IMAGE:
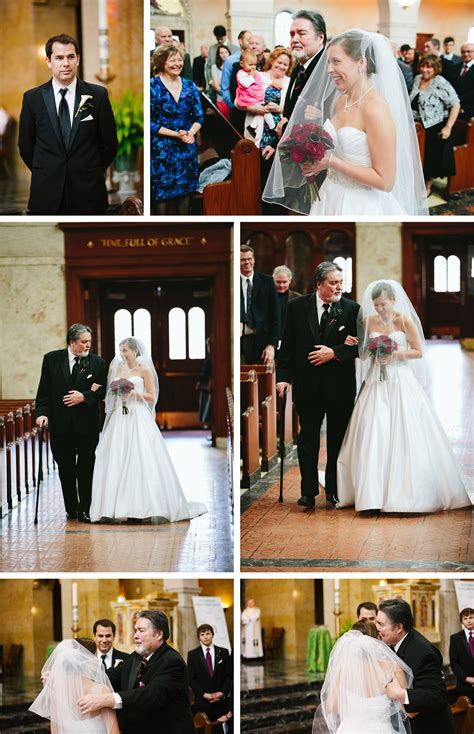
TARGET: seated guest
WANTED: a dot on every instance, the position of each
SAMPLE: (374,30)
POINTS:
(210,676)
(435,103)
(464,81)
(449,55)
(461,655)
(175,116)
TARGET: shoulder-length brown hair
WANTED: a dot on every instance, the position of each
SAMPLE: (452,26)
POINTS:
(161,54)
(275,54)
(432,61)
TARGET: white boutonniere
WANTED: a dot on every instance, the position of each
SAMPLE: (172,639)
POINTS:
(117,663)
(84,103)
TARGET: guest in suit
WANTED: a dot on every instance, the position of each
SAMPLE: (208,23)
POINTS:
(464,81)
(426,703)
(432,48)
(259,312)
(449,55)
(461,655)
(104,636)
(314,358)
(220,34)
(210,675)
(199,62)
(282,277)
(67,137)
(72,383)
(151,685)
(367,610)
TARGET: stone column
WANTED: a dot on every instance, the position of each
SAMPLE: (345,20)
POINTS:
(399,19)
(378,253)
(185,589)
(246,15)
(449,615)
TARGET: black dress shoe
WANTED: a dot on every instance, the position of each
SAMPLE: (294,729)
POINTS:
(306,501)
(71,515)
(331,498)
(84,517)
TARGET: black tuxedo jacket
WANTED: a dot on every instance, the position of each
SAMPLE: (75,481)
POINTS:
(429,695)
(300,335)
(162,705)
(265,310)
(462,663)
(55,382)
(291,99)
(465,88)
(118,655)
(199,679)
(76,172)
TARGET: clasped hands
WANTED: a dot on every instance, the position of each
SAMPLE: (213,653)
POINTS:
(186,136)
(213,697)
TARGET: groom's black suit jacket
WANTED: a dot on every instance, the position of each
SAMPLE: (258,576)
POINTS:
(55,382)
(161,705)
(462,664)
(74,174)
(300,334)
(429,695)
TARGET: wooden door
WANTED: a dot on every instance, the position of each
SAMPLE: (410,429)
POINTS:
(446,272)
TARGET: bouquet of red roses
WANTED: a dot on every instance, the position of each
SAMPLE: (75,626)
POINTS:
(307,143)
(381,346)
(122,387)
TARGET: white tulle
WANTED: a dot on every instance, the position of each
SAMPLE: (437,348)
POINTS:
(134,476)
(395,455)
(342,195)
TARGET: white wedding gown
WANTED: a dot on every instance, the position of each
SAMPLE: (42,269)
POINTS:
(368,716)
(342,195)
(395,455)
(133,475)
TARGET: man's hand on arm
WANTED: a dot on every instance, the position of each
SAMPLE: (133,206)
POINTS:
(74,397)
(321,354)
(96,701)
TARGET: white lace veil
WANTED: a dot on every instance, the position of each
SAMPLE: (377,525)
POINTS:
(69,673)
(353,693)
(286,183)
(121,370)
(400,316)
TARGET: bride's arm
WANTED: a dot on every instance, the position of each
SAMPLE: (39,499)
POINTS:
(149,394)
(415,350)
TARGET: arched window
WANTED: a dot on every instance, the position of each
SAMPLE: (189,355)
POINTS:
(177,333)
(196,333)
(122,326)
(440,274)
(454,274)
(282,28)
(142,327)
(447,274)
(345,263)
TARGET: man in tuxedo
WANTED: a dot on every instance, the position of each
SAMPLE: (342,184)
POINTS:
(315,359)
(259,312)
(426,703)
(461,655)
(104,636)
(67,137)
(367,610)
(72,383)
(210,675)
(151,685)
(282,277)
(464,81)
(449,55)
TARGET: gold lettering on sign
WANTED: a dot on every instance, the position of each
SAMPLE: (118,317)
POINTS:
(149,242)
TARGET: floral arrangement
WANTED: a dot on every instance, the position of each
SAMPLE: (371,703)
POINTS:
(85,103)
(307,143)
(381,346)
(120,388)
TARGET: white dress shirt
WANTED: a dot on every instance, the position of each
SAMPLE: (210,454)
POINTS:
(72,359)
(244,278)
(118,698)
(320,307)
(395,649)
(70,97)
(108,657)
(213,654)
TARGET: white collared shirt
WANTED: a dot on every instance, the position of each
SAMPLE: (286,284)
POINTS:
(118,698)
(70,97)
(395,649)
(108,657)
(244,279)
(72,359)
(468,64)
(320,307)
(212,650)
(467,633)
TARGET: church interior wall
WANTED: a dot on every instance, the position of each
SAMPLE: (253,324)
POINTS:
(378,252)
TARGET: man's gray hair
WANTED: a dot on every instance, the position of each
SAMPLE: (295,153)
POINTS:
(282,270)
(321,272)
(75,331)
(317,20)
(158,619)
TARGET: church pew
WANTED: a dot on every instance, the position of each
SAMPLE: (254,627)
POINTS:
(3,468)
(12,497)
(249,428)
(290,420)
(463,715)
(463,139)
(230,441)
(204,726)
(242,194)
(267,412)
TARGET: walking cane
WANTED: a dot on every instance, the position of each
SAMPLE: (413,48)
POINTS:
(282,442)
(40,473)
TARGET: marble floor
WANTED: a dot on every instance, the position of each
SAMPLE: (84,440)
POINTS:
(200,545)
(280,537)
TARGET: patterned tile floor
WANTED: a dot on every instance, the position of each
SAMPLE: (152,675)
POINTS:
(57,545)
(279,537)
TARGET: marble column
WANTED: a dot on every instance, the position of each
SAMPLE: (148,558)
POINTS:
(448,615)
(256,17)
(378,253)
(185,589)
(399,19)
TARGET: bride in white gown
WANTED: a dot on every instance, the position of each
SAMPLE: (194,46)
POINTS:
(358,94)
(134,476)
(353,696)
(395,456)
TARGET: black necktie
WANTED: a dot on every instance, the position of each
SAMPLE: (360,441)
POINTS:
(140,673)
(103,661)
(324,318)
(249,313)
(75,368)
(64,117)
(300,81)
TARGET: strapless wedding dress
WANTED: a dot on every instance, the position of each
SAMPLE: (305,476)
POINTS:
(368,716)
(342,195)
(133,474)
(395,455)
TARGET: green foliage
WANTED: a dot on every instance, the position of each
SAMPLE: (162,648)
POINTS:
(344,628)
(128,113)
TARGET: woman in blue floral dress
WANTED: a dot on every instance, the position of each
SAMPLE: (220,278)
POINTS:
(176,116)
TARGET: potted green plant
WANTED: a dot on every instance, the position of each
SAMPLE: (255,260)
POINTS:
(128,113)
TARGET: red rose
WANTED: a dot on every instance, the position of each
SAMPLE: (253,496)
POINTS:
(316,151)
(298,154)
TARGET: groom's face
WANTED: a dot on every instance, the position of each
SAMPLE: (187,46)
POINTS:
(330,289)
(104,639)
(63,63)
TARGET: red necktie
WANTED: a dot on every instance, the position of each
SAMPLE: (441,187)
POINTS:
(209,662)
(464,71)
(471,643)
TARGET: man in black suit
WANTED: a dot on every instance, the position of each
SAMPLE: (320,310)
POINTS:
(461,655)
(432,48)
(315,359)
(426,703)
(449,55)
(199,62)
(259,312)
(464,81)
(282,277)
(104,635)
(72,383)
(67,137)
(151,685)
(210,675)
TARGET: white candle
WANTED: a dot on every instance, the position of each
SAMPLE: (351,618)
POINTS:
(75,615)
(337,594)
(103,38)
(102,14)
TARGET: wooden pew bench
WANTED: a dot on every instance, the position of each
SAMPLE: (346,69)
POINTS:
(267,412)
(463,140)
(249,428)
